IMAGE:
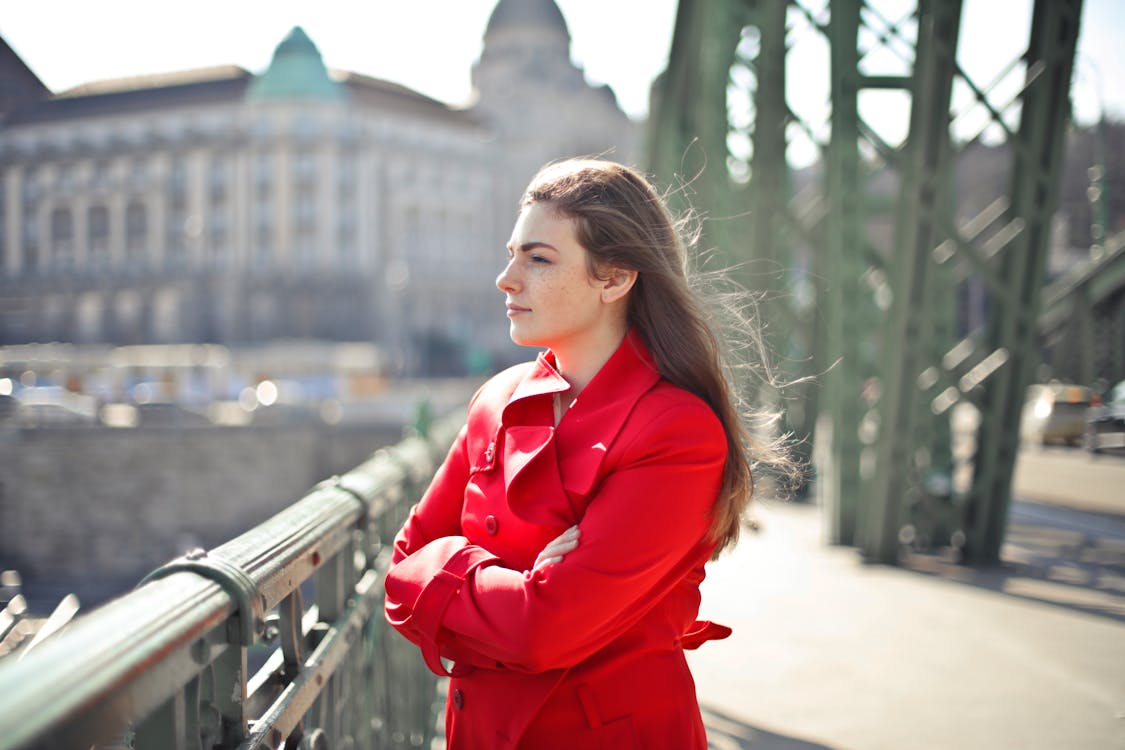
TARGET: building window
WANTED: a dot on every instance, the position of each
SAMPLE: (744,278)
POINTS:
(346,236)
(136,234)
(305,127)
(3,227)
(97,227)
(218,181)
(346,175)
(166,315)
(304,167)
(263,128)
(263,176)
(218,191)
(177,177)
(103,175)
(263,245)
(347,210)
(263,211)
(138,176)
(31,259)
(176,246)
(62,238)
(176,242)
(217,234)
(32,188)
(304,212)
(305,251)
(68,179)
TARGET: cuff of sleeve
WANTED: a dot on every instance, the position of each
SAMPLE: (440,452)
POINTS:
(434,598)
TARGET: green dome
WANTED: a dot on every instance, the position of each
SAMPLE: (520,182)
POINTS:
(296,72)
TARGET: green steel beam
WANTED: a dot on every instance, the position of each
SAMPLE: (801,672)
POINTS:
(769,172)
(1099,280)
(919,326)
(1080,324)
(686,144)
(870,492)
(773,267)
(1037,166)
(847,310)
(749,226)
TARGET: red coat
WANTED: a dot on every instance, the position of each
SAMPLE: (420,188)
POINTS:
(588,652)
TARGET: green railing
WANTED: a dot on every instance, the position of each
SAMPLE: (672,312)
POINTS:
(166,666)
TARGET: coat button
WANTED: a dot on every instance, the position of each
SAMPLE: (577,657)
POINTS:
(491,525)
(458,699)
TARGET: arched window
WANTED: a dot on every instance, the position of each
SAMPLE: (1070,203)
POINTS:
(138,176)
(30,224)
(176,217)
(97,230)
(219,178)
(62,238)
(136,233)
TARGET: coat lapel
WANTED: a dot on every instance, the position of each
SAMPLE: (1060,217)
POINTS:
(544,467)
(598,416)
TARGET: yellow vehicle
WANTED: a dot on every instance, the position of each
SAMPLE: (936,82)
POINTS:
(1055,413)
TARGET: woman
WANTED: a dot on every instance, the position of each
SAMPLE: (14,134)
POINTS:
(554,563)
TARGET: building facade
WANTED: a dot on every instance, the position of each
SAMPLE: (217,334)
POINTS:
(219,205)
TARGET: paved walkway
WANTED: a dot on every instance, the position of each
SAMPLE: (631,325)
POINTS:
(829,652)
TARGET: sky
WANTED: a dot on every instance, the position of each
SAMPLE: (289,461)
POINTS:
(430,45)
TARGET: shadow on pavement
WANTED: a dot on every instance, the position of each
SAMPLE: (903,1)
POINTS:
(1050,555)
(727,733)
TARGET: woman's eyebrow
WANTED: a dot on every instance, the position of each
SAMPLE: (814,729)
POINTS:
(534,244)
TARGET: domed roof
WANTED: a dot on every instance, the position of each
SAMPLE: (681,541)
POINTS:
(296,71)
(509,13)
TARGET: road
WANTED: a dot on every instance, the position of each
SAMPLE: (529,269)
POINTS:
(831,653)
(1071,478)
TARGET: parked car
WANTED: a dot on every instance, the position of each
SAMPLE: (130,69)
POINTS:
(1105,421)
(1055,413)
(54,406)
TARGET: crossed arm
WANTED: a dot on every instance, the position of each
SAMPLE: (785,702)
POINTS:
(641,534)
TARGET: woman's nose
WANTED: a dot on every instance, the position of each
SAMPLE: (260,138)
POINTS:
(506,281)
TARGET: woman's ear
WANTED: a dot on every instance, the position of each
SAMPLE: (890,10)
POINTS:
(617,284)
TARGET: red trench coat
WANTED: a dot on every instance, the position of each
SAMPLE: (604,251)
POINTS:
(587,653)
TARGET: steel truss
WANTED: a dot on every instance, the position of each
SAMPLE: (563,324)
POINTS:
(886,242)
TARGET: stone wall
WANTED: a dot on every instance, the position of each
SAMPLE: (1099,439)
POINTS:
(92,510)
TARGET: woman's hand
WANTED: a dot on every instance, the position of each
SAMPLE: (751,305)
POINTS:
(557,548)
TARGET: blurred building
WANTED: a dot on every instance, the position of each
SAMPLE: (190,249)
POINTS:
(219,205)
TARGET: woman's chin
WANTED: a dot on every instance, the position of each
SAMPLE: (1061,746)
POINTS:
(522,338)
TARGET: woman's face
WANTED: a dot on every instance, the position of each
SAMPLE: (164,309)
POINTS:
(551,298)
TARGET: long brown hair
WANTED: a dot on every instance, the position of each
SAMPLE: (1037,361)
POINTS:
(622,222)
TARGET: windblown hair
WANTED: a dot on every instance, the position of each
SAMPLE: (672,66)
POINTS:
(623,223)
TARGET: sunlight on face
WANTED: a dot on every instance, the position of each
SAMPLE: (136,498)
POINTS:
(552,300)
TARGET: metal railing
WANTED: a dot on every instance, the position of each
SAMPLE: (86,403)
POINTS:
(166,666)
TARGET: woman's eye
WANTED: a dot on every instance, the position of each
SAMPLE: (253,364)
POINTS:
(539,259)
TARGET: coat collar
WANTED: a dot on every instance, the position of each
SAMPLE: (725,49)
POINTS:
(543,465)
(628,373)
